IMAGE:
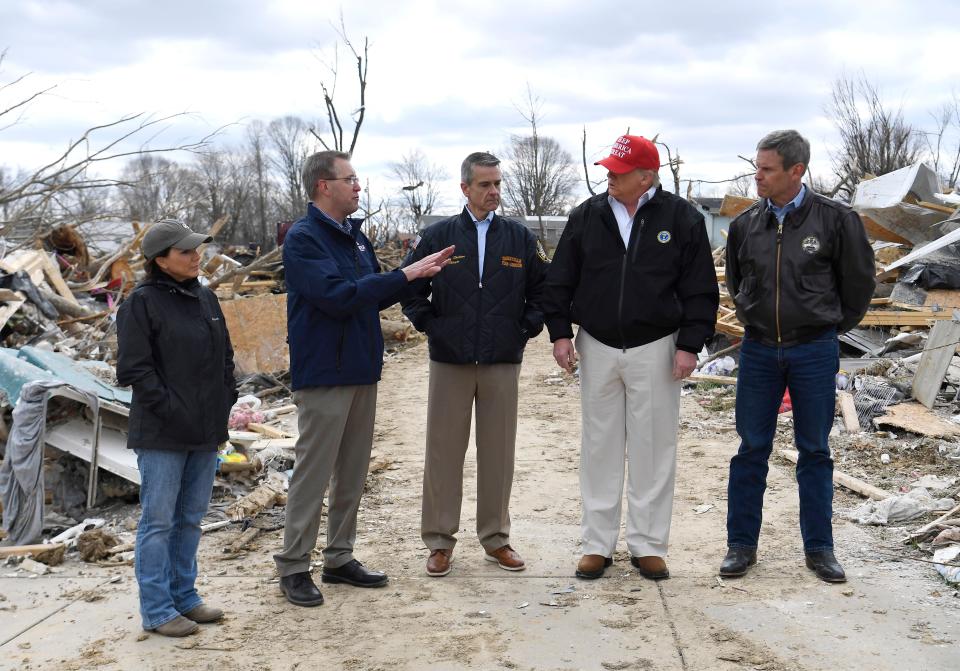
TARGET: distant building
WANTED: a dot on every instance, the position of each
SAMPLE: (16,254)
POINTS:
(710,208)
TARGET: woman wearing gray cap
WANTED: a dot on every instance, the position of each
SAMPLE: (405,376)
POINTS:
(174,350)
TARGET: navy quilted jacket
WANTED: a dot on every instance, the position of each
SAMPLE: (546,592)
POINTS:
(469,319)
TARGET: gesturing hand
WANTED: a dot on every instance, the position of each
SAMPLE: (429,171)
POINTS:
(428,266)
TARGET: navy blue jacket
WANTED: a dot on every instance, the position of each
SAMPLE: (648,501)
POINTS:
(335,291)
(469,319)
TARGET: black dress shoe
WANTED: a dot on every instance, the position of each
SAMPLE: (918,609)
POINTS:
(353,573)
(826,566)
(737,561)
(300,589)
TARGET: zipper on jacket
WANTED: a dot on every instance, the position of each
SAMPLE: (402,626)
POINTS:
(476,341)
(779,246)
(623,283)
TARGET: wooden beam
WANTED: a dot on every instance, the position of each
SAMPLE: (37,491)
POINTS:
(849,411)
(936,207)
(268,431)
(28,550)
(717,379)
(904,318)
(839,478)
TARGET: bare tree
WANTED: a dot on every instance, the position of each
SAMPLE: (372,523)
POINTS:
(335,117)
(44,196)
(154,187)
(288,139)
(874,139)
(257,161)
(742,186)
(541,177)
(673,162)
(946,124)
(419,179)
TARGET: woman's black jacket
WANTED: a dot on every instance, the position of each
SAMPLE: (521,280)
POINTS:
(174,350)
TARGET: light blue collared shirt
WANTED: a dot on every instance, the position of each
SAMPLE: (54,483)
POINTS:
(483,225)
(624,220)
(781,212)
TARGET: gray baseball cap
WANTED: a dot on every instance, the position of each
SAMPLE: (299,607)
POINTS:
(170,233)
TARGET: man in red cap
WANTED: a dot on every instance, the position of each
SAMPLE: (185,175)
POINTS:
(633,268)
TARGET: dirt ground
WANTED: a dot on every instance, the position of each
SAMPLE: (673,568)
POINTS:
(894,613)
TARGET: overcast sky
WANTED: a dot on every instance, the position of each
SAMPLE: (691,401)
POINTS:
(447,77)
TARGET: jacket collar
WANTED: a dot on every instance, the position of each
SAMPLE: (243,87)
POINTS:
(467,221)
(321,217)
(164,282)
(794,218)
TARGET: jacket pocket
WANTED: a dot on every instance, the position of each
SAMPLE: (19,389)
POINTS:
(445,336)
(819,299)
(508,340)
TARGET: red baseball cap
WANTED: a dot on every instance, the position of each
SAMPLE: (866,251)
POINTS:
(630,152)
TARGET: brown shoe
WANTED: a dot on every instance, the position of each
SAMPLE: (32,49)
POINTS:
(439,562)
(651,568)
(591,567)
(203,614)
(506,558)
(177,627)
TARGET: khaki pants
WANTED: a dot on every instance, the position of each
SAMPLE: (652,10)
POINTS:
(336,434)
(453,391)
(631,409)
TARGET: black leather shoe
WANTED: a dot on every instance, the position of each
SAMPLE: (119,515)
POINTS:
(300,589)
(826,566)
(737,561)
(353,573)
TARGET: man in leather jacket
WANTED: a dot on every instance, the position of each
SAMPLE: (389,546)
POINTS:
(801,271)
(478,316)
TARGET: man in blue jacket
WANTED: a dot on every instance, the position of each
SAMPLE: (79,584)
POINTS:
(335,290)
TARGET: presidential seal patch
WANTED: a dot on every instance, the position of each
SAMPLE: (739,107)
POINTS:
(811,244)
(542,253)
(663,236)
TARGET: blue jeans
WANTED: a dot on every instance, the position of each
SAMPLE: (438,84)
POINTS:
(809,371)
(175,490)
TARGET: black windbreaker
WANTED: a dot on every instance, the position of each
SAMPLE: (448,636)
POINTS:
(625,296)
(174,350)
(469,319)
(791,284)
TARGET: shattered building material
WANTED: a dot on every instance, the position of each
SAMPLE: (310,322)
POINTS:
(917,419)
(258,333)
(885,201)
(937,355)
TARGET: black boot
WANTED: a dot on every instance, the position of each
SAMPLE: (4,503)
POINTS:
(737,561)
(300,589)
(826,566)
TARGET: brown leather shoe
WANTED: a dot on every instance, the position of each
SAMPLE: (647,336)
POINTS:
(177,627)
(506,558)
(651,568)
(204,614)
(438,563)
(591,567)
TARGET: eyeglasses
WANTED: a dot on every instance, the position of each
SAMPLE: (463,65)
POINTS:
(352,180)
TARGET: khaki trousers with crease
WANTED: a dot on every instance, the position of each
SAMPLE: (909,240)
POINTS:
(454,390)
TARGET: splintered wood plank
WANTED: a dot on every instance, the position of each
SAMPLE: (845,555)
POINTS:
(258,332)
(937,355)
(903,318)
(849,412)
